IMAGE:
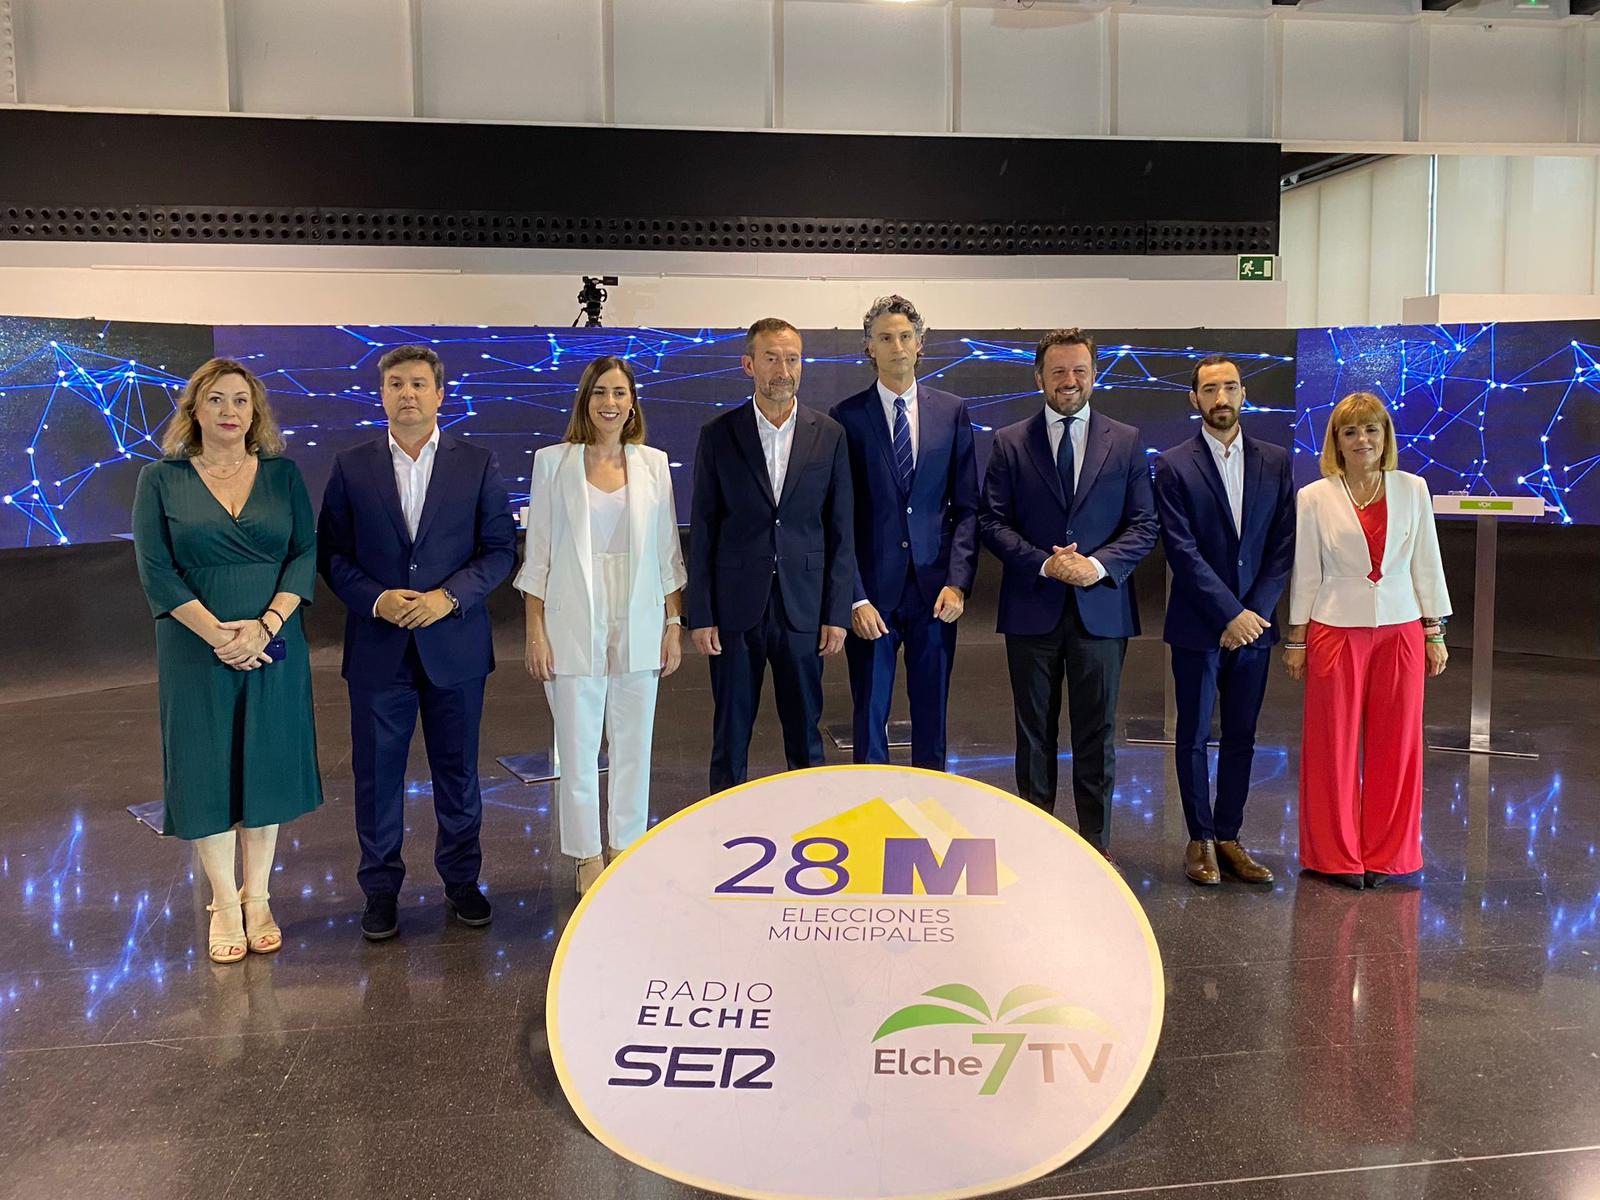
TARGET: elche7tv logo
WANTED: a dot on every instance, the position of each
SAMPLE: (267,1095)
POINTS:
(1078,1055)
(879,848)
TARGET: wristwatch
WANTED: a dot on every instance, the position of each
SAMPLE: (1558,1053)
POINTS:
(455,605)
(674,620)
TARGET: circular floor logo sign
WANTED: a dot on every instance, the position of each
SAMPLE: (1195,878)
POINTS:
(855,982)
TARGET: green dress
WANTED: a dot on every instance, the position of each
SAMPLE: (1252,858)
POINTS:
(239,746)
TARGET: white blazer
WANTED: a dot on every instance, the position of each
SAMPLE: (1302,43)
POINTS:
(558,563)
(1332,562)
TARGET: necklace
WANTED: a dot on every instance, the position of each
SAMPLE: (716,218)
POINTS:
(219,473)
(1377,491)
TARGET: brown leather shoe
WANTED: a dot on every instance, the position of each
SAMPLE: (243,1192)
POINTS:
(1236,861)
(1200,863)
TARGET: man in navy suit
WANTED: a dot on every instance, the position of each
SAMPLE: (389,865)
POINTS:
(771,556)
(1067,510)
(916,506)
(415,533)
(1227,520)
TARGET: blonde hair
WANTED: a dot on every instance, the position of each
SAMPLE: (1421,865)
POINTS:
(580,428)
(182,439)
(1358,408)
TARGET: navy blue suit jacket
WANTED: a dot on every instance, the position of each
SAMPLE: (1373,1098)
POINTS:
(935,526)
(466,542)
(740,531)
(1025,513)
(1216,572)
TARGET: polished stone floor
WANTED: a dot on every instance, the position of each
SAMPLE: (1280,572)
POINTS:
(1436,1040)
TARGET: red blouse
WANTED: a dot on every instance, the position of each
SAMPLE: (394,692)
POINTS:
(1374,520)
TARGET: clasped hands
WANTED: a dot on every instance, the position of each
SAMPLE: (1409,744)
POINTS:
(243,645)
(1070,567)
(1243,630)
(413,610)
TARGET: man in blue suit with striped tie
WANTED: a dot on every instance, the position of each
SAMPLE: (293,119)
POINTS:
(916,519)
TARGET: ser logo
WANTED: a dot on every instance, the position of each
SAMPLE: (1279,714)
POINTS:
(879,848)
(1083,1052)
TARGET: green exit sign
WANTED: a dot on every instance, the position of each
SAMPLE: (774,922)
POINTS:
(1256,266)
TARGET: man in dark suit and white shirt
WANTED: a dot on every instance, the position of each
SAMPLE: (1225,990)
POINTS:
(415,532)
(1227,509)
(771,555)
(1067,510)
(916,509)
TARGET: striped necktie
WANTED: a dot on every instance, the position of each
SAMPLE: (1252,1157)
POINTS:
(903,460)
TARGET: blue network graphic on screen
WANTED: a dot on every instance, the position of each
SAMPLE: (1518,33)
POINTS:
(84,403)
(81,409)
(1489,409)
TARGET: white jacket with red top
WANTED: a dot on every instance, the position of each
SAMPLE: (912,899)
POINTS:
(1330,581)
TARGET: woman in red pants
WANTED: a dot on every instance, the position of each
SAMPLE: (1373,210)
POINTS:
(1366,609)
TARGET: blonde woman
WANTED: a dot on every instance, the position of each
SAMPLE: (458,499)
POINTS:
(1367,603)
(226,546)
(602,582)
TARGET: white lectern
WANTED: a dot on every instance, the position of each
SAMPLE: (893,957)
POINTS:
(1478,738)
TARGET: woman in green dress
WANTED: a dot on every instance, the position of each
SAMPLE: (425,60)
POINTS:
(226,543)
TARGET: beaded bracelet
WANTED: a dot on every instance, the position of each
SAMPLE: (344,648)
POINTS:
(1294,645)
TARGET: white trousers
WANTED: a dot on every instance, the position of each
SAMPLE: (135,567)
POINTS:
(624,707)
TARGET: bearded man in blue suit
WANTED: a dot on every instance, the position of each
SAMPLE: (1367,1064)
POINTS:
(1228,523)
(1067,510)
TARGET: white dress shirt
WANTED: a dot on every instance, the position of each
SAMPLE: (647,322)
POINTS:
(1054,423)
(888,397)
(1230,465)
(411,476)
(776,443)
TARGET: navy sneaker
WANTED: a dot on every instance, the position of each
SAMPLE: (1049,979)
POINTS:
(382,918)
(469,905)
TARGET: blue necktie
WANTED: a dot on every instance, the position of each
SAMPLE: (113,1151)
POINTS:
(1064,462)
(902,445)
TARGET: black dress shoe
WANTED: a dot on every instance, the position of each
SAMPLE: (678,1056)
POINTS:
(1374,879)
(382,919)
(1356,882)
(468,904)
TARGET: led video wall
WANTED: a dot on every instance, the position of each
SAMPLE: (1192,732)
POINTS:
(1502,409)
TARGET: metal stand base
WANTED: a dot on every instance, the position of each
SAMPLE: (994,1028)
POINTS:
(540,766)
(1502,743)
(152,815)
(1147,731)
(844,736)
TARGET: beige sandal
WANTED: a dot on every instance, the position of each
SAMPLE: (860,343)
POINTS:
(269,938)
(589,870)
(221,949)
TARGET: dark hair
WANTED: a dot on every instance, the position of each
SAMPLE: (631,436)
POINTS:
(580,428)
(893,306)
(1211,360)
(405,354)
(1062,337)
(767,325)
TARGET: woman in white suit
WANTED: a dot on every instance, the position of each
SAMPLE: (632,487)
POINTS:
(602,583)
(1367,603)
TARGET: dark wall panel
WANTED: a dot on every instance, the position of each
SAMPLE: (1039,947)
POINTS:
(130,177)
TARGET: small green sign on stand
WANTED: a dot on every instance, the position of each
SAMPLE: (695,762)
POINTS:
(1256,266)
